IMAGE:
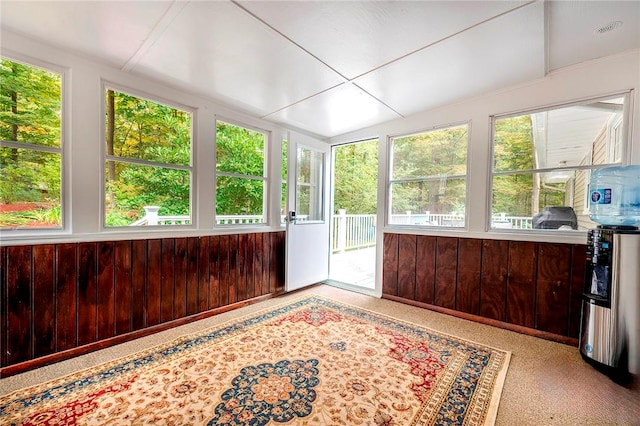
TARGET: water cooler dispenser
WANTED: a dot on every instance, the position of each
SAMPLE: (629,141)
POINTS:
(610,323)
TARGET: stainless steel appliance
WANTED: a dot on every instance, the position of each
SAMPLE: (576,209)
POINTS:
(610,329)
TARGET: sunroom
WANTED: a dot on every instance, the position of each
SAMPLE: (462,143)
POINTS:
(168,161)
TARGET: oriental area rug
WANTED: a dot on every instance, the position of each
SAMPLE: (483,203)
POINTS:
(313,361)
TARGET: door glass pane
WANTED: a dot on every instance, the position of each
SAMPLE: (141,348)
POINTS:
(309,181)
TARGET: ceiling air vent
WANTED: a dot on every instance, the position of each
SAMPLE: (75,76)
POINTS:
(608,27)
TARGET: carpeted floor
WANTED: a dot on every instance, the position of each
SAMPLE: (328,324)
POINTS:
(546,384)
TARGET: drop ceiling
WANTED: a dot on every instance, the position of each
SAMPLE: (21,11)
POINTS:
(330,67)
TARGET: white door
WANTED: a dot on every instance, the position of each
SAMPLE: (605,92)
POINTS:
(307,243)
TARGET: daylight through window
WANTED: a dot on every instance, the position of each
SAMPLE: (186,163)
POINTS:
(148,162)
(428,184)
(30,147)
(542,162)
(240,175)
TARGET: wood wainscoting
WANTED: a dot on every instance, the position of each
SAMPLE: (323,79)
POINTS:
(62,300)
(534,288)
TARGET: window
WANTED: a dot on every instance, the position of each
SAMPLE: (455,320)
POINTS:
(283,194)
(240,175)
(428,178)
(542,161)
(614,145)
(30,147)
(310,185)
(148,162)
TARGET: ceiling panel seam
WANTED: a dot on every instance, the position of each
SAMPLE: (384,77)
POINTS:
(379,100)
(413,52)
(304,99)
(156,32)
(290,40)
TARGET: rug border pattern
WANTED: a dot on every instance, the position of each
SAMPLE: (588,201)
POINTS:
(497,360)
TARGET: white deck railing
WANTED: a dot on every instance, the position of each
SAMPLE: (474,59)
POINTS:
(350,231)
(151,218)
(353,231)
(500,220)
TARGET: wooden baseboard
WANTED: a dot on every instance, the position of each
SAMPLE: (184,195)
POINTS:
(495,323)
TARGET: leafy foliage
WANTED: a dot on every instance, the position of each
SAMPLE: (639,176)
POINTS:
(146,130)
(239,151)
(513,151)
(434,159)
(30,113)
(356,177)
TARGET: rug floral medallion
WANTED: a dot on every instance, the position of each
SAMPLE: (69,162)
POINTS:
(313,361)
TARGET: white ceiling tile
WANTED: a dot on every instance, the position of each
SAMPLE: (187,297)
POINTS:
(356,36)
(505,51)
(217,49)
(110,31)
(336,111)
(572,30)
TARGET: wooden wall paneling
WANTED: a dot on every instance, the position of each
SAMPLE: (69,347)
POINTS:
(192,301)
(406,266)
(390,264)
(276,262)
(578,266)
(3,305)
(250,266)
(154,280)
(469,273)
(521,284)
(552,293)
(258,271)
(446,272)
(106,295)
(66,297)
(139,284)
(267,282)
(214,272)
(279,260)
(268,262)
(180,279)
(425,269)
(202,273)
(232,291)
(87,293)
(493,282)
(273,278)
(18,339)
(123,286)
(44,342)
(241,268)
(223,261)
(167,279)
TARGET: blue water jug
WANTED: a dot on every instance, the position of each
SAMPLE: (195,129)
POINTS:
(614,196)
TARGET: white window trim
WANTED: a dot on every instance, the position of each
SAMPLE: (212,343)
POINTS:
(63,150)
(615,136)
(389,180)
(625,119)
(587,179)
(266,219)
(106,85)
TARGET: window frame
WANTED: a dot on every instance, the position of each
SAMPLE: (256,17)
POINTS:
(268,135)
(390,180)
(63,150)
(104,157)
(627,111)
